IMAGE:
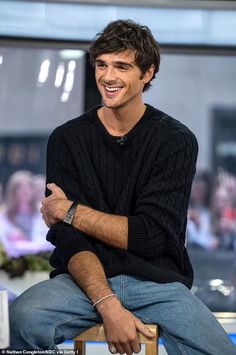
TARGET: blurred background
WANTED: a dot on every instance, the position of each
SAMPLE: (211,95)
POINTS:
(46,79)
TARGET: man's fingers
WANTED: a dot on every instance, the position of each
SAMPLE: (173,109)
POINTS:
(116,348)
(112,348)
(51,186)
(56,190)
(144,329)
(123,348)
(135,345)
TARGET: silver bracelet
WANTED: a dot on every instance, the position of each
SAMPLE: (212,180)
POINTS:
(103,298)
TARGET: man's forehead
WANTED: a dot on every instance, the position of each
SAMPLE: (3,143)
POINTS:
(121,56)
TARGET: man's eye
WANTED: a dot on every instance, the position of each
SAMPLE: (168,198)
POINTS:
(100,65)
(122,67)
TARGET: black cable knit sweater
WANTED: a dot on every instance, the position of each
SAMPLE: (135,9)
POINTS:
(145,175)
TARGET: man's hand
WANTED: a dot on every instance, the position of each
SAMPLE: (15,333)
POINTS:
(55,206)
(121,327)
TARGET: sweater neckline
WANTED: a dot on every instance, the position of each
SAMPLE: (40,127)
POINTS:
(129,134)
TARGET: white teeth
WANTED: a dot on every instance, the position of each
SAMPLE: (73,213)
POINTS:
(112,89)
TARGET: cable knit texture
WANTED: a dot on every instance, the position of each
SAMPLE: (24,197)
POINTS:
(146,177)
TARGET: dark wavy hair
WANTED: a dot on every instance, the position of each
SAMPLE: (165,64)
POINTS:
(122,35)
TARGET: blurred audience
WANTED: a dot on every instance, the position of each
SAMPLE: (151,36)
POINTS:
(212,212)
(1,193)
(224,210)
(199,231)
(22,230)
(39,189)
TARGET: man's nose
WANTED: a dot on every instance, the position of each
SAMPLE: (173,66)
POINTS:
(110,74)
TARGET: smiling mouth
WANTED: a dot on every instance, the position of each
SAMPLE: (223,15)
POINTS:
(112,90)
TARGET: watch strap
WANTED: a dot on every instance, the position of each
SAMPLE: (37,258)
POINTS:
(70,213)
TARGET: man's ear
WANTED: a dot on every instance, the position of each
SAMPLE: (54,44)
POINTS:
(149,74)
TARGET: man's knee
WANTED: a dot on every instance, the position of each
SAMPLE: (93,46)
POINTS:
(22,316)
(27,328)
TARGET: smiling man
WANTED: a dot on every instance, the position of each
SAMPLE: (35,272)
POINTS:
(121,84)
(118,184)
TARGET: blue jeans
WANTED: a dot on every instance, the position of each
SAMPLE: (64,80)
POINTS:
(57,309)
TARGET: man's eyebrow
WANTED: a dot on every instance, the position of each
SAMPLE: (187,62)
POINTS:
(119,62)
(99,61)
(126,64)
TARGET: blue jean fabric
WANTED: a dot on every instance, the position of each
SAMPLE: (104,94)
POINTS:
(57,309)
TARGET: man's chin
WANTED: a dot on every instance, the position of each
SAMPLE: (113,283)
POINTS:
(112,105)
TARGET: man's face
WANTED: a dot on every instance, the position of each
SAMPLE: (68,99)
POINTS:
(119,79)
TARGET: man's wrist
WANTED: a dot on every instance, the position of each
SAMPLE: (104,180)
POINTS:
(104,298)
(70,214)
(107,305)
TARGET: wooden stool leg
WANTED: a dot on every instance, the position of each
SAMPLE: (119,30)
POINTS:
(151,349)
(80,346)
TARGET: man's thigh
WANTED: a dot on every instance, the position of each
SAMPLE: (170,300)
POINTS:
(182,317)
(170,305)
(55,310)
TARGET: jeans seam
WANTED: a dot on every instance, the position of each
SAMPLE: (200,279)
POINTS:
(56,325)
(66,322)
(179,345)
(142,317)
(182,349)
(122,293)
(71,318)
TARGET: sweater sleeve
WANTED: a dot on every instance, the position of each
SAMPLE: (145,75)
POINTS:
(60,170)
(161,208)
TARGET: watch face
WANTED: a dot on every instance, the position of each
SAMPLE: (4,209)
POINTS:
(68,218)
(70,213)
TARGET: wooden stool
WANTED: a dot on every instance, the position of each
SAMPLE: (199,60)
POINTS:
(96,334)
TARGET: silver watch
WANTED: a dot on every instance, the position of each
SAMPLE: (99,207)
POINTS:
(70,213)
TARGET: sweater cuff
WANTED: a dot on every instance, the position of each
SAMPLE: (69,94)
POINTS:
(68,241)
(136,235)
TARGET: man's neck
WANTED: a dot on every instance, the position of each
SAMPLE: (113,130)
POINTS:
(120,121)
